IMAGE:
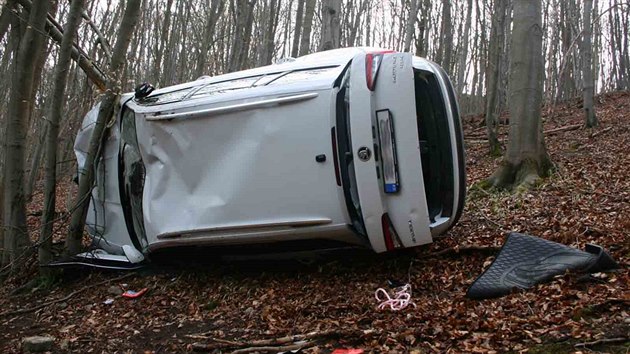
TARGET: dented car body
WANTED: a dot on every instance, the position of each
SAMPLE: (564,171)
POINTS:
(355,146)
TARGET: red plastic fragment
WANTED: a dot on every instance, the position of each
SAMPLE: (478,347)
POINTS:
(130,294)
(347,351)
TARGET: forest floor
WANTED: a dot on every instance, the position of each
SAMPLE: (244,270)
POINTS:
(230,305)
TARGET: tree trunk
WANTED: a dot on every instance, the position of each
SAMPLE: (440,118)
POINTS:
(445,53)
(159,50)
(107,109)
(5,17)
(309,12)
(526,160)
(461,68)
(16,238)
(216,8)
(411,25)
(587,54)
(54,117)
(295,48)
(331,29)
(493,70)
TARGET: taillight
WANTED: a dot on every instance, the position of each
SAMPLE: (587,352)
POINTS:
(372,64)
(392,241)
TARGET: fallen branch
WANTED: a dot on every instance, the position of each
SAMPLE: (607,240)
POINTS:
(275,344)
(278,349)
(563,129)
(602,341)
(599,132)
(88,66)
(66,298)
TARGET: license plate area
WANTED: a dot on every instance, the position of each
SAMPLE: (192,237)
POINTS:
(387,146)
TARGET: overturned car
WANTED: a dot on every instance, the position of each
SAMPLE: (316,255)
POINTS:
(355,146)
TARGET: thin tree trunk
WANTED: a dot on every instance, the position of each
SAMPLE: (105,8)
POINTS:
(493,70)
(411,25)
(587,54)
(309,12)
(107,109)
(5,17)
(461,69)
(215,11)
(331,29)
(54,117)
(295,48)
(159,52)
(16,237)
(83,59)
(526,159)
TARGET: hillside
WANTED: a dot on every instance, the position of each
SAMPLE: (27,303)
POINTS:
(586,200)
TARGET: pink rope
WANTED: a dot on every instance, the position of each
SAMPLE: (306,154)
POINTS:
(400,299)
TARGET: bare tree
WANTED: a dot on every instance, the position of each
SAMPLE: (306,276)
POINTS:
(54,117)
(526,159)
(411,24)
(24,72)
(309,12)
(110,99)
(587,69)
(331,28)
(299,15)
(493,73)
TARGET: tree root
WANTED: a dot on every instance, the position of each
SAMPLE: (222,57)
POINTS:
(519,177)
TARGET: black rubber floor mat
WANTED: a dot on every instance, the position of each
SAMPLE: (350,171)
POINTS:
(525,261)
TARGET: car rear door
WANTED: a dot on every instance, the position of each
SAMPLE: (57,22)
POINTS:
(399,211)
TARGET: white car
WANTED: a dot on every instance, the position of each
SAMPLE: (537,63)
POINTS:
(355,146)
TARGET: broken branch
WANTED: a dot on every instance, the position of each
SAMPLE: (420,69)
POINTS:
(602,341)
(563,129)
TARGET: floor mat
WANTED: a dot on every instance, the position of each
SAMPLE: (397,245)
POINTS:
(525,261)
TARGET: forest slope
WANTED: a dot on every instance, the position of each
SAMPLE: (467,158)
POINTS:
(586,200)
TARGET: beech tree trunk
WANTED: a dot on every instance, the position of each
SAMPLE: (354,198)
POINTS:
(463,56)
(493,73)
(309,12)
(295,48)
(5,17)
(526,159)
(107,109)
(16,238)
(331,30)
(587,69)
(411,25)
(54,117)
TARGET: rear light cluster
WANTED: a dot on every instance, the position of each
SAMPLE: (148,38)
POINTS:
(372,64)
(392,241)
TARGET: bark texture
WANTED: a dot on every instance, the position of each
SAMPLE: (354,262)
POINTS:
(54,117)
(16,237)
(587,69)
(526,159)
(493,73)
(331,29)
